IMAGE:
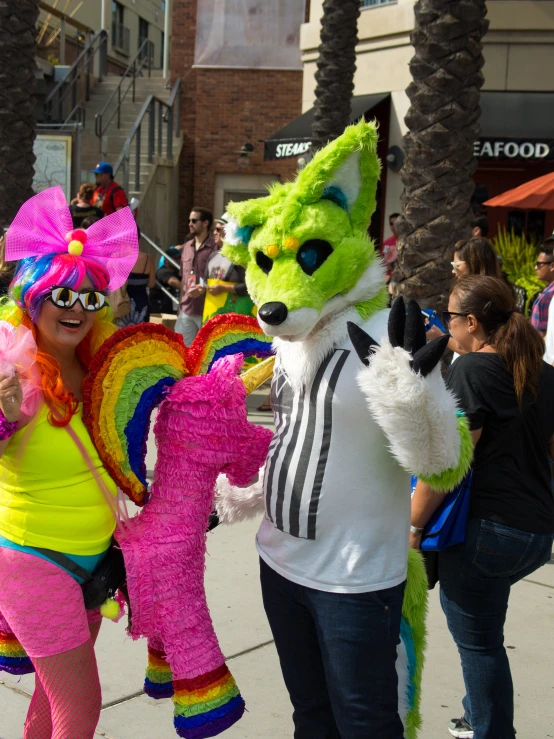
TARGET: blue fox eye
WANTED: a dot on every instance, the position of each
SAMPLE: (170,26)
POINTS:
(312,254)
(264,262)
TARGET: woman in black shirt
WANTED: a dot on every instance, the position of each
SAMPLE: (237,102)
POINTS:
(507,393)
(82,207)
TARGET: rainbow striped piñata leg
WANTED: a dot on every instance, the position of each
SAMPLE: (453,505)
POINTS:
(207,705)
(13,658)
(159,680)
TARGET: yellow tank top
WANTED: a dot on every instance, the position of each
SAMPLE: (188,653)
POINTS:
(48,494)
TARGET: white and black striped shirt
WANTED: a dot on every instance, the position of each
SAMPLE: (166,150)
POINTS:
(337,503)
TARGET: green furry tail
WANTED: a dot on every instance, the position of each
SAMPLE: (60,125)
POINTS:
(448,479)
(414,610)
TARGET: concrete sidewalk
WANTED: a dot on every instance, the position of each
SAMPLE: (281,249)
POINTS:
(235,602)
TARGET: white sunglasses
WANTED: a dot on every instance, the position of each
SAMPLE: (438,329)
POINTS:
(65,297)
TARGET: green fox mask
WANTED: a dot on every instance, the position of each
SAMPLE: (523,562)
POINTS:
(305,245)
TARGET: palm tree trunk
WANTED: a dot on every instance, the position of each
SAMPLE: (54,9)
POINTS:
(443,124)
(335,70)
(17,103)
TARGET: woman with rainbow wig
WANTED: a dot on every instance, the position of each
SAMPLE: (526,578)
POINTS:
(55,495)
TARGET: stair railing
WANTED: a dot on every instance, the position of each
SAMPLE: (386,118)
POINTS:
(167,258)
(69,94)
(112,108)
(154,115)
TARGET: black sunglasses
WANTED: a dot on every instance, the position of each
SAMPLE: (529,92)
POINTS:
(541,264)
(194,220)
(447,316)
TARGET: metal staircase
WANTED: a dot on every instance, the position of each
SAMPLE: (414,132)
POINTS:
(111,143)
(127,120)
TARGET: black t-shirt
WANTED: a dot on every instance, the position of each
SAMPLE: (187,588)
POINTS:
(511,469)
(80,212)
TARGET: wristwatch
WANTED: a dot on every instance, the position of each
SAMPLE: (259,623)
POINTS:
(415,530)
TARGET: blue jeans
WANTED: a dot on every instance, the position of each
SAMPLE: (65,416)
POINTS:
(476,578)
(337,654)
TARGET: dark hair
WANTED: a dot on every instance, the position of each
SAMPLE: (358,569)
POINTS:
(394,215)
(205,215)
(482,223)
(547,246)
(521,346)
(87,222)
(480,257)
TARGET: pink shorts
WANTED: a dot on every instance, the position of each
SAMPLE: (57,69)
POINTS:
(42,605)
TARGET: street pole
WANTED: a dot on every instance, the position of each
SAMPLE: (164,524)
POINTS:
(167,32)
(103,15)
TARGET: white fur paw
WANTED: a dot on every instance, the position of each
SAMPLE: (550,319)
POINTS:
(234,504)
(417,414)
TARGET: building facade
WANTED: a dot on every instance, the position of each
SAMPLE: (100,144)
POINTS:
(240,84)
(128,22)
(517,100)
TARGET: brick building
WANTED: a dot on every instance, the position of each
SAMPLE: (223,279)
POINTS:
(224,108)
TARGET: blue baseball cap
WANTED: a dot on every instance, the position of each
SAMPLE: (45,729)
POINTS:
(103,168)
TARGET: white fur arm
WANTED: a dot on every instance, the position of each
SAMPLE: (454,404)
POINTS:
(234,504)
(417,414)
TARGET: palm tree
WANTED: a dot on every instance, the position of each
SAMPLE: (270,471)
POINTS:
(17,103)
(335,69)
(443,124)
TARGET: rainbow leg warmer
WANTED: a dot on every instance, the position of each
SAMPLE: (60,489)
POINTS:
(13,658)
(159,680)
(206,705)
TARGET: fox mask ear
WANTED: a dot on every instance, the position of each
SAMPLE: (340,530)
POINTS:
(235,246)
(246,216)
(346,172)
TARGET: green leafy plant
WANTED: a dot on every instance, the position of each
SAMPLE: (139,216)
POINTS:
(519,256)
(53,59)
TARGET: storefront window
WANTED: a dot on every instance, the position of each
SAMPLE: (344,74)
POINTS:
(516,222)
(528,222)
(536,224)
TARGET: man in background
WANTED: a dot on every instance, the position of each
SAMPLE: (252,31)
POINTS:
(195,256)
(480,227)
(108,194)
(544,269)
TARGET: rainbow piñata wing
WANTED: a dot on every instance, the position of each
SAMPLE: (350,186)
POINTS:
(127,379)
(229,333)
(13,658)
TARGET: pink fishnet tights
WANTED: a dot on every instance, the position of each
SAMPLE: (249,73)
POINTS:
(67,700)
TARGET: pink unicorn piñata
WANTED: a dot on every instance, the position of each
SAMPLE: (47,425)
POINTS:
(201,430)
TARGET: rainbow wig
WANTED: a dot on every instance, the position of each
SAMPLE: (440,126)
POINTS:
(34,279)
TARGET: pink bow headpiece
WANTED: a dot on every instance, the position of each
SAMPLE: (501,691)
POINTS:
(43,226)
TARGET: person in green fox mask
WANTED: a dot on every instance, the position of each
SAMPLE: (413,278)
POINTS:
(344,597)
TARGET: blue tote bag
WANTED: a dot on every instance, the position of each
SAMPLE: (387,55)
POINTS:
(447,525)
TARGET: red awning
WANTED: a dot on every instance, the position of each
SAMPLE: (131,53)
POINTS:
(537,194)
